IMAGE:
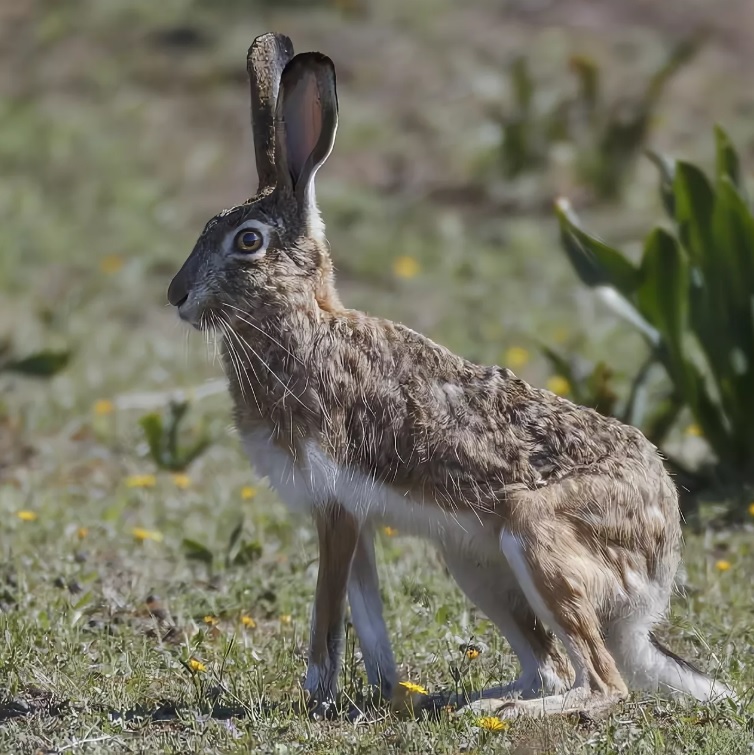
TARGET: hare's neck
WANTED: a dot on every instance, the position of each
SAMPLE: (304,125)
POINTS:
(268,364)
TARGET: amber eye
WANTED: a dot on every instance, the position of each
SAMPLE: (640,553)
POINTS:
(249,240)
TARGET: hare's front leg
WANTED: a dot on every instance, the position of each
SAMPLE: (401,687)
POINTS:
(366,614)
(338,533)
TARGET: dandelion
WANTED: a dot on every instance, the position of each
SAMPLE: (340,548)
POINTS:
(82,532)
(390,531)
(247,492)
(248,622)
(491,723)
(516,356)
(751,508)
(211,620)
(285,618)
(27,516)
(559,385)
(103,407)
(414,688)
(694,430)
(140,534)
(181,481)
(722,565)
(473,653)
(405,267)
(141,481)
(110,264)
(196,666)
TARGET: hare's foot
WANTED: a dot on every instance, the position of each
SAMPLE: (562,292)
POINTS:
(579,700)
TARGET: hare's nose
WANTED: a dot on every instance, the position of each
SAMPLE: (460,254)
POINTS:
(178,290)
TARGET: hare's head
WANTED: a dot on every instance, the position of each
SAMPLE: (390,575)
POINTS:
(270,252)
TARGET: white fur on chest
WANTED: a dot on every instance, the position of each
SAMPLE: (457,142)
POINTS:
(315,480)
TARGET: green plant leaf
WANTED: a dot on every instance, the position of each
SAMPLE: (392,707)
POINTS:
(248,553)
(152,425)
(666,168)
(662,296)
(596,263)
(43,364)
(727,163)
(233,542)
(694,202)
(195,551)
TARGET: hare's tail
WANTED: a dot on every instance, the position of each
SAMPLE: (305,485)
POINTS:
(647,665)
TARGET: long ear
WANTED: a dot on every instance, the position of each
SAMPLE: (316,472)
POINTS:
(267,58)
(306,122)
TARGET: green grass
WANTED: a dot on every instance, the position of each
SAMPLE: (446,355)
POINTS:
(114,149)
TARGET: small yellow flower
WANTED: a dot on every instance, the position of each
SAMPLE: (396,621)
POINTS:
(390,531)
(247,492)
(285,618)
(141,481)
(473,653)
(414,688)
(751,508)
(516,356)
(248,622)
(103,407)
(491,723)
(694,430)
(111,264)
(82,532)
(196,666)
(141,535)
(558,384)
(722,565)
(211,620)
(181,481)
(406,267)
(27,516)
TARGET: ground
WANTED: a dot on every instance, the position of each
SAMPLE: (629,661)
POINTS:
(124,127)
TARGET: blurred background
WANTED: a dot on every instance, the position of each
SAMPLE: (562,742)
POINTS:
(124,126)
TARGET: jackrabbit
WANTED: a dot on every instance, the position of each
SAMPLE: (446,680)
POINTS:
(557,522)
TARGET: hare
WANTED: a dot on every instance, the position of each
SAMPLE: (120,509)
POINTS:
(557,522)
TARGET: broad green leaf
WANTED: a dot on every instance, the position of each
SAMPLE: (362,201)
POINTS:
(197,552)
(596,263)
(694,201)
(662,296)
(41,364)
(248,553)
(152,425)
(666,168)
(727,162)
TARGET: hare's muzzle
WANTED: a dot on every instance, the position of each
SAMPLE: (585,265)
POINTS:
(178,290)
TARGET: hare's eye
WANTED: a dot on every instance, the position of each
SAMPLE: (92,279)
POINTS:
(249,240)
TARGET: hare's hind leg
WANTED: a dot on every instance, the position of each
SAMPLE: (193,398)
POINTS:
(494,589)
(557,589)
(338,533)
(366,614)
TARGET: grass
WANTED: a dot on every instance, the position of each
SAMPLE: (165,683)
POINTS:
(116,143)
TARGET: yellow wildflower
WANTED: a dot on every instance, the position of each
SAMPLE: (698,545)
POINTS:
(285,618)
(196,666)
(516,356)
(414,688)
(181,480)
(111,264)
(491,723)
(211,620)
(27,516)
(694,430)
(390,531)
(141,481)
(141,535)
(103,407)
(406,267)
(82,532)
(473,653)
(558,384)
(722,565)
(751,508)
(248,622)
(247,492)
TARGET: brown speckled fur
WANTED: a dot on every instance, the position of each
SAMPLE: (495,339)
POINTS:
(586,497)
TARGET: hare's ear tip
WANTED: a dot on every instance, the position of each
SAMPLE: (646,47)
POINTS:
(308,61)
(271,40)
